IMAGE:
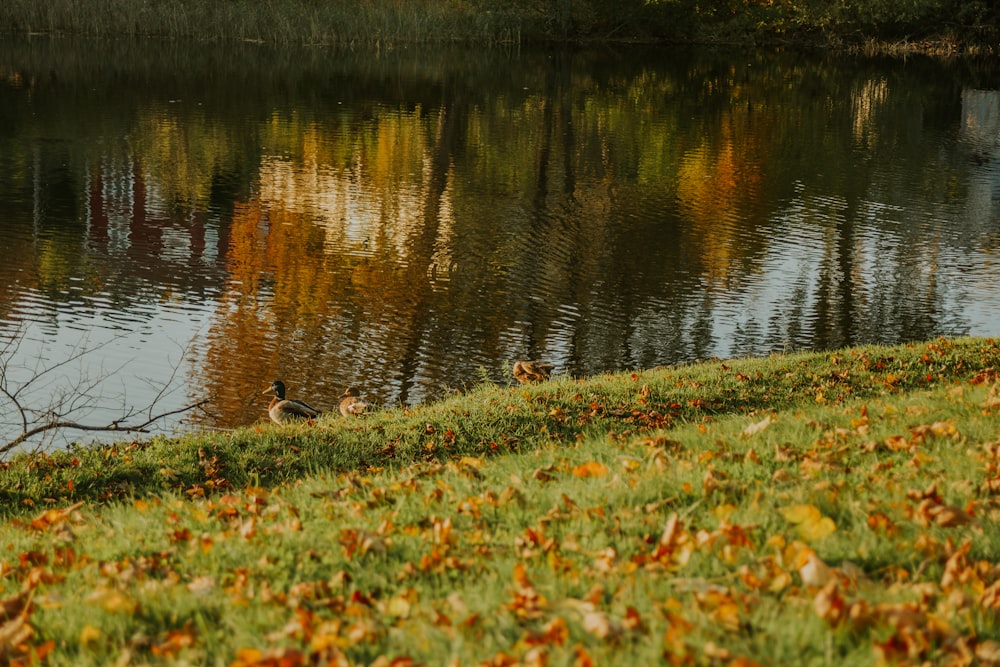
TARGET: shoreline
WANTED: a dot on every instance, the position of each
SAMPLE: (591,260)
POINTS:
(896,29)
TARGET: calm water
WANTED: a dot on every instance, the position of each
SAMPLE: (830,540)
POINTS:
(189,221)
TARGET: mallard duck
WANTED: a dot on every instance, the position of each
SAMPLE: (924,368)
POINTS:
(350,404)
(532,371)
(284,409)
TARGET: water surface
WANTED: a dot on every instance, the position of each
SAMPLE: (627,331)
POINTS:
(185,221)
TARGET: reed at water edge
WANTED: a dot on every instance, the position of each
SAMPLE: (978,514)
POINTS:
(893,27)
(377,22)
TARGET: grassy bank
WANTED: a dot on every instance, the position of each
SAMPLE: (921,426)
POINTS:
(898,25)
(818,509)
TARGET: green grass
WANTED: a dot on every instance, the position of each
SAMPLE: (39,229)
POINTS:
(664,516)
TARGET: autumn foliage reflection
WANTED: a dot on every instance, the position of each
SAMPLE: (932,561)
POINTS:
(409,225)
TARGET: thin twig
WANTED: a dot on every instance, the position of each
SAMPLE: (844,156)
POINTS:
(116,425)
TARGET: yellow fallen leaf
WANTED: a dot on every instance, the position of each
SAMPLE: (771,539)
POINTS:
(800,513)
(89,635)
(809,521)
(723,512)
(113,601)
(398,607)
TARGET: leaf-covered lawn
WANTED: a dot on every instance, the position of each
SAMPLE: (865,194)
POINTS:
(797,510)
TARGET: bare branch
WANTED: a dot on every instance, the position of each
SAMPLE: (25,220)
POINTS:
(67,406)
(79,352)
(117,426)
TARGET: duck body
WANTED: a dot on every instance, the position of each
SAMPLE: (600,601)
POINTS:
(282,410)
(351,404)
(532,371)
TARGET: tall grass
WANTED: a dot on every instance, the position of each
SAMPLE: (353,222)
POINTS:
(387,23)
(384,22)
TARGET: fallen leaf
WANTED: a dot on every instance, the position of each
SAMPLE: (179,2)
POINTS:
(815,572)
(757,427)
(600,625)
(202,585)
(590,469)
(53,517)
(988,652)
(113,601)
(15,604)
(809,521)
(89,635)
(829,604)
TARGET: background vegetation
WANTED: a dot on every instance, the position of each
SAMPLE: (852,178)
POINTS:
(838,22)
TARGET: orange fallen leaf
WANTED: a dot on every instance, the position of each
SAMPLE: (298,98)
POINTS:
(829,604)
(931,511)
(632,621)
(582,658)
(526,602)
(52,517)
(880,523)
(555,632)
(590,469)
(174,642)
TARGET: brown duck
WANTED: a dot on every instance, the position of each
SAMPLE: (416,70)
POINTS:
(350,403)
(532,371)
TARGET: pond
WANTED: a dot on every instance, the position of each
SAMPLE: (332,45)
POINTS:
(187,221)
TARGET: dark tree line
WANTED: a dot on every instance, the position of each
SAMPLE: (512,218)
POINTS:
(819,21)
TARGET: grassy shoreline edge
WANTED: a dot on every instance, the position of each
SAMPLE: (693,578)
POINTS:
(803,508)
(490,420)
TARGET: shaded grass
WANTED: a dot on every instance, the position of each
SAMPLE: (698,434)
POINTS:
(279,21)
(533,525)
(892,27)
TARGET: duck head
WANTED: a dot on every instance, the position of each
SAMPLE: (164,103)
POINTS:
(277,388)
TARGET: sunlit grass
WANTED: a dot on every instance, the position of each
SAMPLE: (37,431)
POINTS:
(816,508)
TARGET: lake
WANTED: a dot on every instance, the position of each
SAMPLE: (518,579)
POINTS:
(186,221)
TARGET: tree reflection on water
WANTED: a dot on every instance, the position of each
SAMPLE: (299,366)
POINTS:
(410,222)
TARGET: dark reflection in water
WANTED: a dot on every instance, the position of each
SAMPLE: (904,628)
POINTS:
(410,222)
